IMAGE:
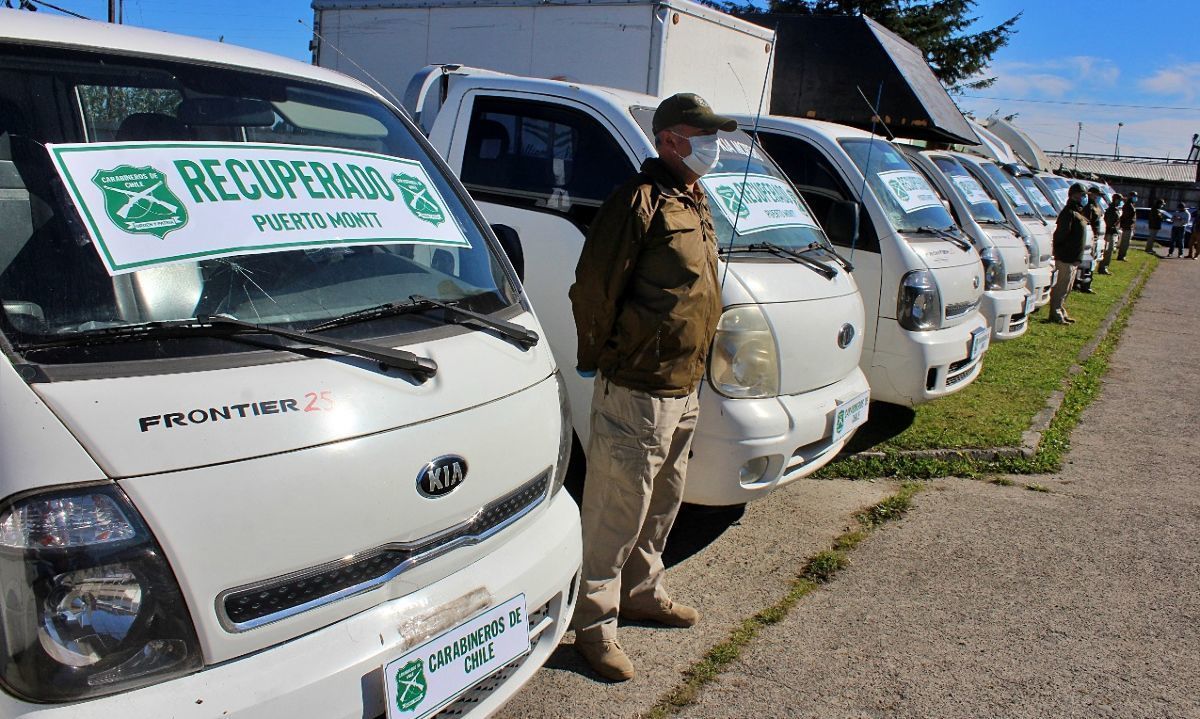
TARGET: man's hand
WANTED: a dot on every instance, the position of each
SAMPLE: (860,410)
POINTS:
(586,375)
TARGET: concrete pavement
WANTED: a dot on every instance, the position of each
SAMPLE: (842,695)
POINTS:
(992,601)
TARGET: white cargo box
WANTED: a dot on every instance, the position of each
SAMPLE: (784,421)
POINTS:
(657,47)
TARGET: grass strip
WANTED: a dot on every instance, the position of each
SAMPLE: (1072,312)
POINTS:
(1082,390)
(1018,377)
(820,569)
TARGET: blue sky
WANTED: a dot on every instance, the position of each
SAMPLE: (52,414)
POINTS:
(1143,53)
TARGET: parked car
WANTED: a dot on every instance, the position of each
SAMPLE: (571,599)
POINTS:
(1141,225)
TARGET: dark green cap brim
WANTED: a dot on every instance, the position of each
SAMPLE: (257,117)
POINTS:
(689,109)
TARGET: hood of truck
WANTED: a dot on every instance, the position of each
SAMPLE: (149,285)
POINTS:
(148,424)
(1012,251)
(958,272)
(807,313)
(239,504)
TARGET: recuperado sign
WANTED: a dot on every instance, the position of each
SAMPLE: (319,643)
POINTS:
(909,189)
(156,203)
(753,203)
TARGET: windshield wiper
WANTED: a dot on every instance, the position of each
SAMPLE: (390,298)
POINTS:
(523,336)
(946,235)
(218,326)
(831,251)
(822,269)
(1005,224)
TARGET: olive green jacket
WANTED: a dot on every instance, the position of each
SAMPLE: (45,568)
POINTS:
(1070,232)
(646,298)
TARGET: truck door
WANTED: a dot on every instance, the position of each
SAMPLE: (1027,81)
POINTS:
(823,187)
(543,167)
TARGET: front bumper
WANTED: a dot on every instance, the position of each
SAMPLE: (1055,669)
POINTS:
(1004,311)
(336,672)
(1041,279)
(794,431)
(909,368)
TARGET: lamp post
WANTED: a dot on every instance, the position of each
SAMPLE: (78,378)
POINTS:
(1117,143)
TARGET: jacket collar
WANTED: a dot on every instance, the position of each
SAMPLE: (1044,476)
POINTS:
(658,171)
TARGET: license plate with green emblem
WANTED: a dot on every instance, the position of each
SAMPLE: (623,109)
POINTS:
(849,415)
(426,679)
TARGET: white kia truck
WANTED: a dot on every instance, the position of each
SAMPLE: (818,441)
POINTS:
(784,391)
(1007,300)
(280,435)
(921,280)
(1037,235)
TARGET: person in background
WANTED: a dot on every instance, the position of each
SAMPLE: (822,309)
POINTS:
(1070,235)
(1179,220)
(1128,220)
(1155,224)
(1112,218)
(646,301)
(1095,216)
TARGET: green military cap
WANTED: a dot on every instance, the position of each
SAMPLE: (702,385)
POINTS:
(1076,187)
(687,108)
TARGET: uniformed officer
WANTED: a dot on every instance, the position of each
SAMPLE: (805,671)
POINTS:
(1070,235)
(646,302)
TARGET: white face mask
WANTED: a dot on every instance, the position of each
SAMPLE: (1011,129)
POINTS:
(705,153)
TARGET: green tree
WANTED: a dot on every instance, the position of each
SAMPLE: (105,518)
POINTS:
(936,27)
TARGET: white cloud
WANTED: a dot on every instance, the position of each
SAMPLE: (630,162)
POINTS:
(1179,80)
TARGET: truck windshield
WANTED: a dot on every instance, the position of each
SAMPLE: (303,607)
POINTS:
(909,201)
(141,190)
(752,200)
(1059,186)
(984,206)
(1019,203)
(1035,193)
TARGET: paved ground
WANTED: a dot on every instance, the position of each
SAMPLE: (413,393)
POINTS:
(993,601)
(727,565)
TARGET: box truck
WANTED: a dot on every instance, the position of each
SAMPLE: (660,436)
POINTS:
(653,47)
(250,465)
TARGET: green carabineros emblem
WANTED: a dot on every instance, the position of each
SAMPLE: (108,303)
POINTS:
(419,199)
(734,201)
(841,422)
(410,685)
(898,188)
(138,200)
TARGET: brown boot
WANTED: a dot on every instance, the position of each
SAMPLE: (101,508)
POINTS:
(670,614)
(606,658)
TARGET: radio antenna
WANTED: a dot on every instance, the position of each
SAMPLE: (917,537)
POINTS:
(875,117)
(737,209)
(379,85)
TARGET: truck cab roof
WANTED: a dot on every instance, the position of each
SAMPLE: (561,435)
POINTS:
(36,29)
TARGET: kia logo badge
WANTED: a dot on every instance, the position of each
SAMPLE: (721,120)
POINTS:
(975,279)
(442,476)
(845,335)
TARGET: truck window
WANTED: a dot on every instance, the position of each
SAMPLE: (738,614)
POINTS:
(984,207)
(541,155)
(818,181)
(906,197)
(1006,185)
(54,282)
(1039,200)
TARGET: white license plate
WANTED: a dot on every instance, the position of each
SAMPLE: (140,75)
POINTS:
(434,674)
(849,415)
(979,342)
(1030,301)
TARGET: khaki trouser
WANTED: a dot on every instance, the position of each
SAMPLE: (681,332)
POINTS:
(637,458)
(1126,236)
(1110,240)
(1058,294)
(1152,240)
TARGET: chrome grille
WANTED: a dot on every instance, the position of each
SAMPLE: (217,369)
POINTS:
(1017,278)
(274,599)
(959,309)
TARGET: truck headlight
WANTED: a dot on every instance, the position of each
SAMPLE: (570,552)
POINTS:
(993,269)
(919,304)
(745,359)
(90,606)
(1035,259)
(565,435)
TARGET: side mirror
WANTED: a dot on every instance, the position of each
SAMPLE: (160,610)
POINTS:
(841,222)
(510,241)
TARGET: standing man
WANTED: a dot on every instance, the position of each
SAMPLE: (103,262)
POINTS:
(1070,234)
(1095,218)
(1154,222)
(1112,218)
(1194,240)
(1179,220)
(646,301)
(1128,220)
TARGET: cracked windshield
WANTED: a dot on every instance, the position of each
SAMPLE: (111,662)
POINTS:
(157,195)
